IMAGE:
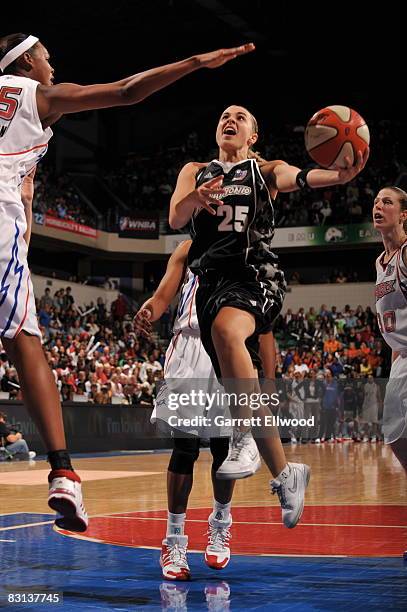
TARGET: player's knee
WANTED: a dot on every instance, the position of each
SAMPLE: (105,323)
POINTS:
(219,450)
(225,335)
(184,455)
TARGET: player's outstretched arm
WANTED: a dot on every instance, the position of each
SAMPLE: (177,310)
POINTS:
(72,98)
(154,307)
(283,177)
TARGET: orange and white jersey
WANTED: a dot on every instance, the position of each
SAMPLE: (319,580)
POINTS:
(187,319)
(391,299)
(23,141)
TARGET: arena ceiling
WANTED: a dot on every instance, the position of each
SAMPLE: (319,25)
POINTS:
(309,53)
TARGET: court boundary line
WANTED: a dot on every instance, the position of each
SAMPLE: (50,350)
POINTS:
(158,518)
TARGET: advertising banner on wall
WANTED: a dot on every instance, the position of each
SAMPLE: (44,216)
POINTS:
(142,225)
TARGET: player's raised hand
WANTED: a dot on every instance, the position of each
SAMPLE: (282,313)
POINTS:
(214,59)
(347,174)
(142,324)
(209,194)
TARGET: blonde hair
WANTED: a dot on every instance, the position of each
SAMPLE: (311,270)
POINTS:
(403,201)
(252,154)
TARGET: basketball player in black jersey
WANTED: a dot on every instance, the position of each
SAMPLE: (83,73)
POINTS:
(230,205)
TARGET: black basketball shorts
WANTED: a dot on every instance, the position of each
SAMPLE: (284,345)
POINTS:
(257,297)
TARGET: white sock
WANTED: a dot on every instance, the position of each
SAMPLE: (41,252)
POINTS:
(175,523)
(221,512)
(284,474)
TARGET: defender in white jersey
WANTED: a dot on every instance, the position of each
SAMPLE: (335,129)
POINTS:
(187,360)
(390,218)
(29,105)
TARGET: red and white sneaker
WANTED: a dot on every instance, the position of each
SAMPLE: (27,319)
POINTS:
(65,497)
(217,553)
(173,559)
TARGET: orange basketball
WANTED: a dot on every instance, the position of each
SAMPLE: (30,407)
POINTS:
(336,132)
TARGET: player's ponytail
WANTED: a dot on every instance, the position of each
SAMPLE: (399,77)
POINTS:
(254,154)
(403,202)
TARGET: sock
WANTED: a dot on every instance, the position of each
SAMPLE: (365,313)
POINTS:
(221,512)
(175,523)
(60,460)
(284,474)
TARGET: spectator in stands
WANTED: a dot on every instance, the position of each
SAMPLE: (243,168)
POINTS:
(68,299)
(4,363)
(46,299)
(325,212)
(119,308)
(329,406)
(9,383)
(312,404)
(13,442)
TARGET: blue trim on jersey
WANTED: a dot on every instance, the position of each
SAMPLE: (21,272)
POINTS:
(18,269)
(182,304)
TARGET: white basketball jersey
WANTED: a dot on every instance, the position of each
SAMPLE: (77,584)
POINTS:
(23,141)
(187,319)
(391,299)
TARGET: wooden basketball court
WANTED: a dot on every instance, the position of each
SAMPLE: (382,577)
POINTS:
(348,546)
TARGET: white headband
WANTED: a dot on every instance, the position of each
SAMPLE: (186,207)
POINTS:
(15,52)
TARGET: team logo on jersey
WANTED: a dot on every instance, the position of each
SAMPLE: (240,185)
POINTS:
(232,190)
(239,175)
(389,270)
(385,288)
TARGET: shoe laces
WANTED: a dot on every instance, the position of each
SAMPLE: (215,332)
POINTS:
(280,490)
(239,442)
(218,535)
(177,554)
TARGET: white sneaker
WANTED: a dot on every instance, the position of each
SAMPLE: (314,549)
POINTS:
(217,597)
(65,497)
(217,553)
(31,454)
(291,490)
(173,558)
(317,440)
(293,440)
(243,459)
(374,439)
(365,439)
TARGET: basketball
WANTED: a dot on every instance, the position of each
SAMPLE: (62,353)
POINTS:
(336,132)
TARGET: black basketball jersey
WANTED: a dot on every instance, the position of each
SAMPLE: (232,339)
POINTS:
(239,236)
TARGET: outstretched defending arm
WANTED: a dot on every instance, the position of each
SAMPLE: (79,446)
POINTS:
(71,98)
(154,307)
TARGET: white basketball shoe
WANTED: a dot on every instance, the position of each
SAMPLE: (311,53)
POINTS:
(173,559)
(243,459)
(290,488)
(65,497)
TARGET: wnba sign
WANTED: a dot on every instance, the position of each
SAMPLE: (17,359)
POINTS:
(142,226)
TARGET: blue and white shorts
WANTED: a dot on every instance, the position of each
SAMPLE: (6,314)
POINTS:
(17,303)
